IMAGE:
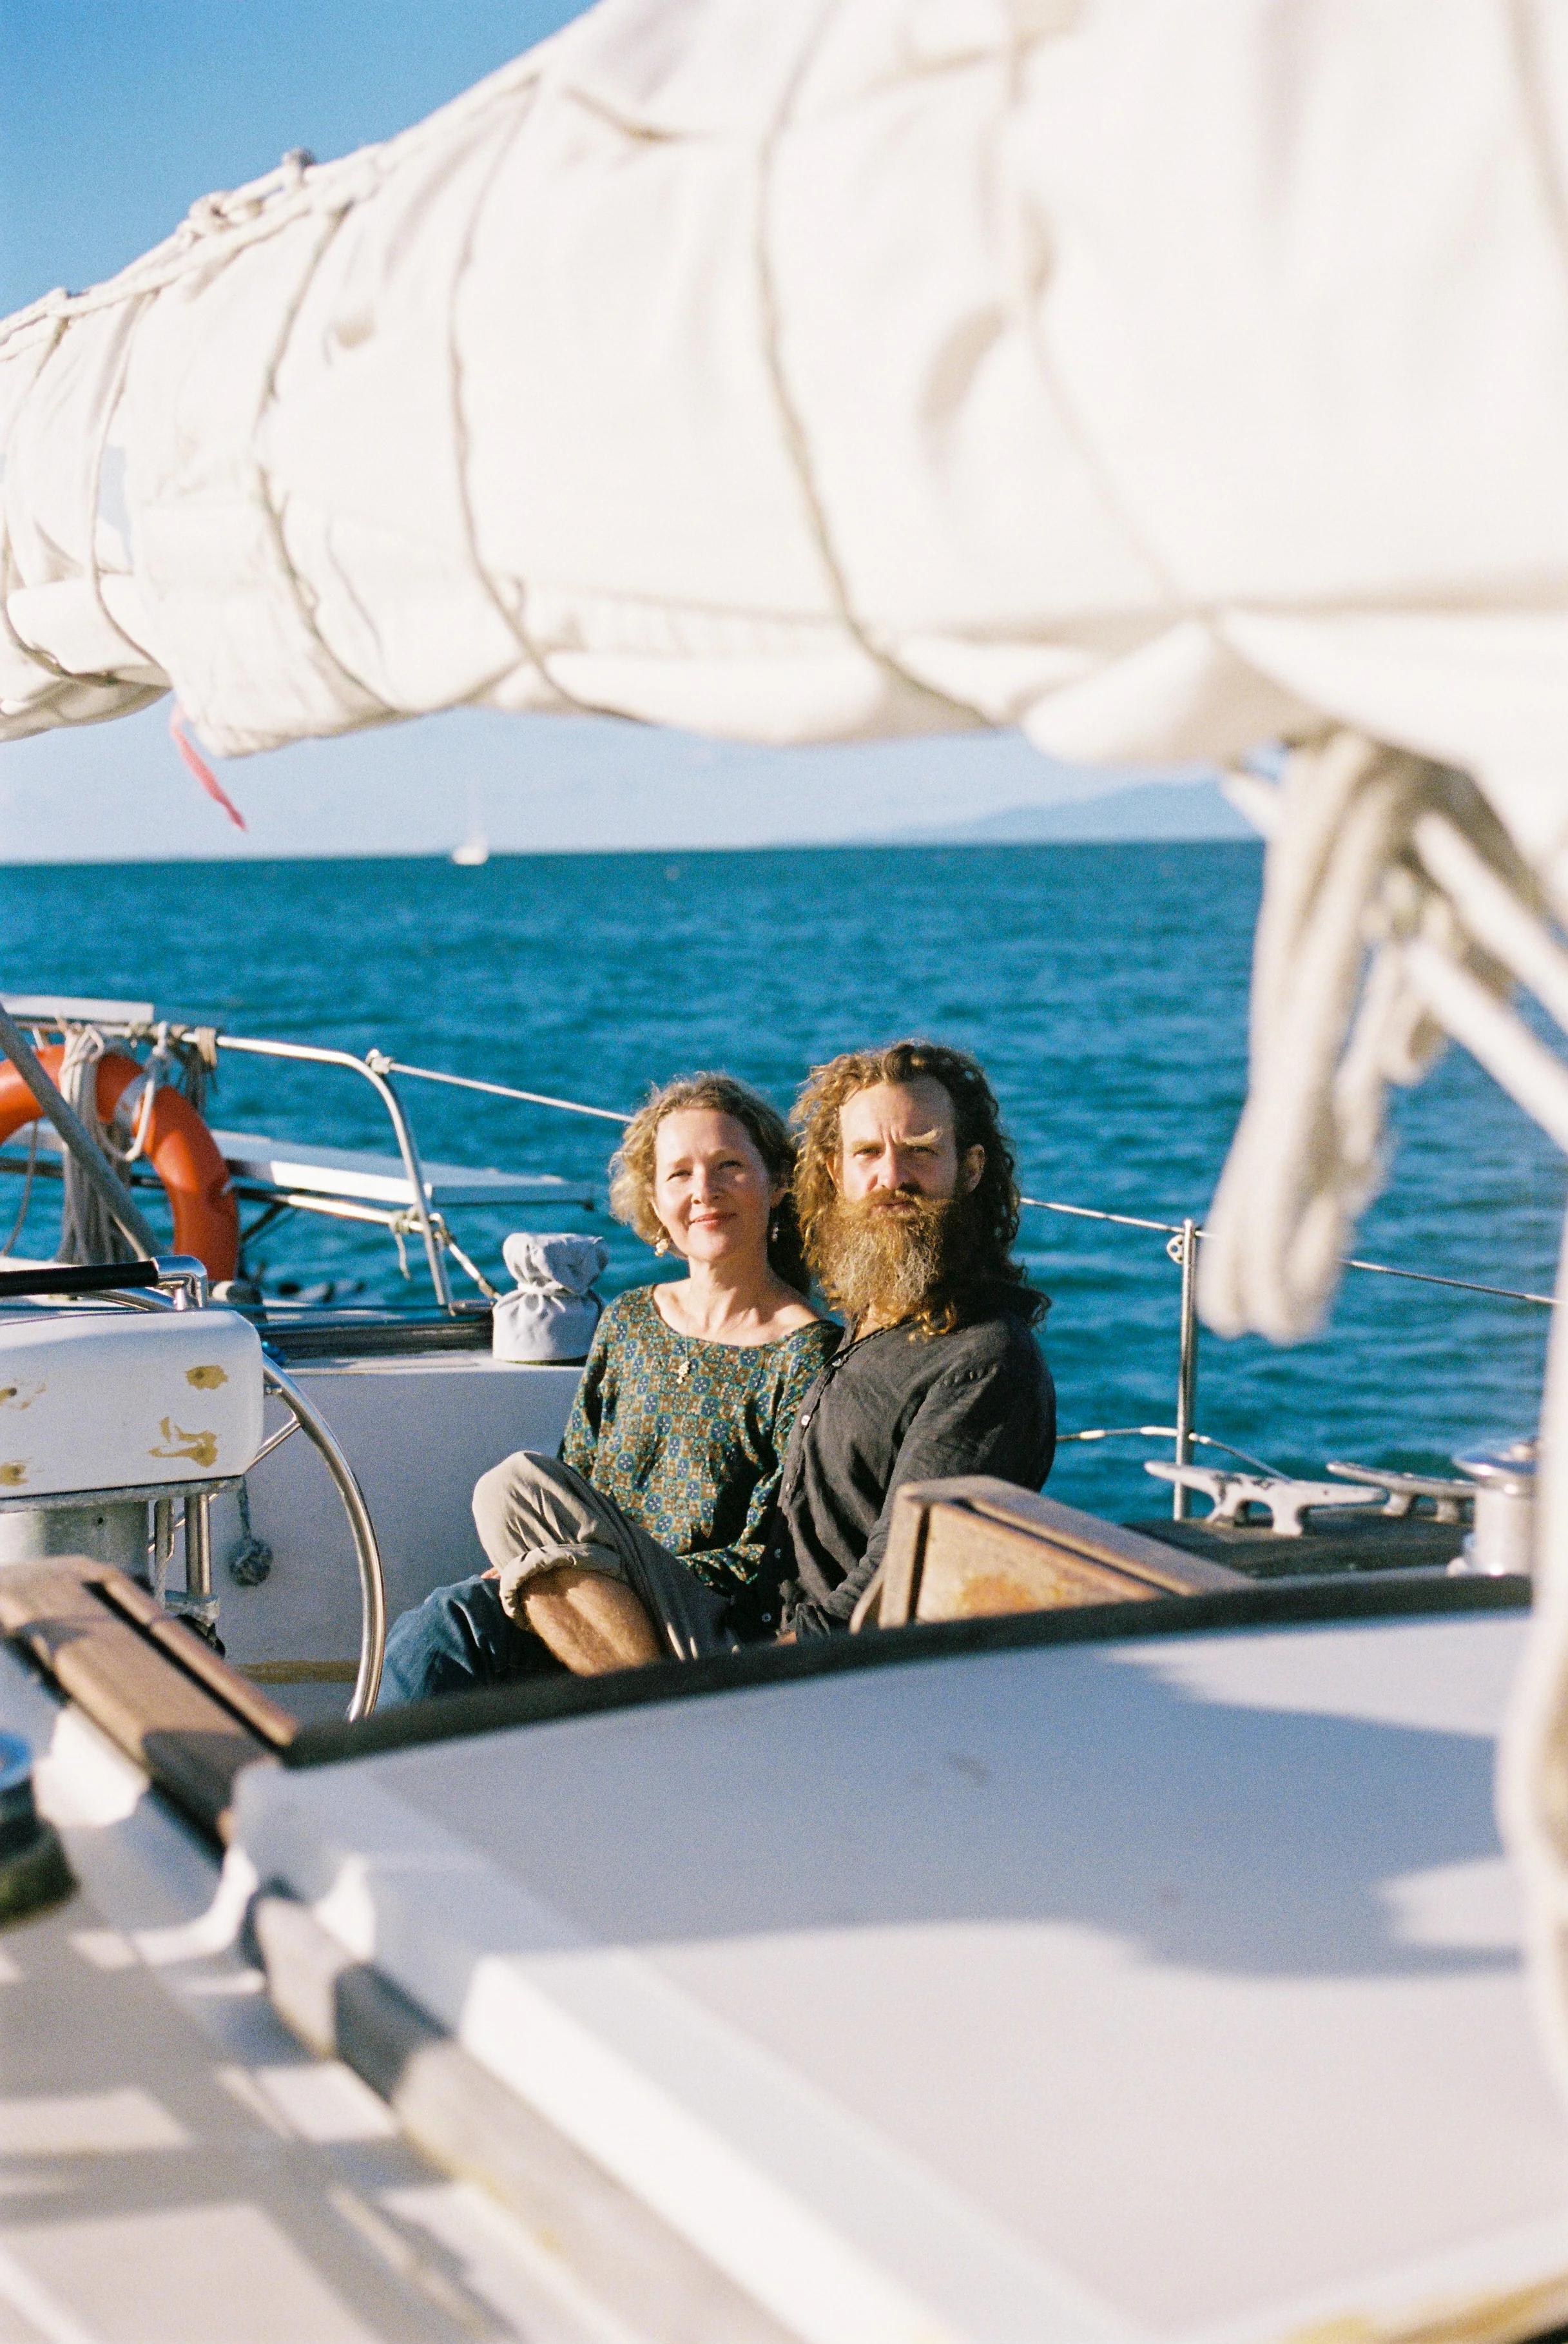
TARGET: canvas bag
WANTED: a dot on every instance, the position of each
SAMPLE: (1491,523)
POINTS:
(552,1313)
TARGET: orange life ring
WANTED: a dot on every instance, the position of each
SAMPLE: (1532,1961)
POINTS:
(179,1148)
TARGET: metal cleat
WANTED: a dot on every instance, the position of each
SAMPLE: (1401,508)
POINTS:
(1232,1495)
(1450,1499)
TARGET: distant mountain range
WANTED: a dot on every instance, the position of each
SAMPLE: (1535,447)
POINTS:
(1149,809)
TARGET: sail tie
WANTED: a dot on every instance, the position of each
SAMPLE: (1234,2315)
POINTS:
(1360,955)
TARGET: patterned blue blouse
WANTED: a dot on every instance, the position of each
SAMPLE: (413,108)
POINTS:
(688,1436)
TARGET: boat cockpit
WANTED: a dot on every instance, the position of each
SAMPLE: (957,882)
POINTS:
(291,1556)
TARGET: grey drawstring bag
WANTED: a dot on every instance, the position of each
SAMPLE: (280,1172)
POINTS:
(554,1313)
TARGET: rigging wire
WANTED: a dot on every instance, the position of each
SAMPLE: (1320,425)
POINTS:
(26,1189)
(506,1090)
(1347,1261)
(1169,1432)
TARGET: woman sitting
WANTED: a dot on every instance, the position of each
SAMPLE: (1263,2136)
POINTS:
(645,1539)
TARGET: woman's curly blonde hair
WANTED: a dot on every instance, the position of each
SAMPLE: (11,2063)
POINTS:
(632,1168)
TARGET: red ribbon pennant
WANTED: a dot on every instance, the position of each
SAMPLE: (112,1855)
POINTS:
(197,764)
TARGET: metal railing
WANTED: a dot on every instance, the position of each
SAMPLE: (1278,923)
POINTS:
(134,1022)
(375,1066)
(507,1091)
(1184,1239)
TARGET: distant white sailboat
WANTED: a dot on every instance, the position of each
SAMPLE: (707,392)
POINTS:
(473,848)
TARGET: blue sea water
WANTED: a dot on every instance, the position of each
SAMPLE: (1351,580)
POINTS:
(1104,987)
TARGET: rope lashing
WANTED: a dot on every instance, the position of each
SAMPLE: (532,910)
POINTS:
(1351,930)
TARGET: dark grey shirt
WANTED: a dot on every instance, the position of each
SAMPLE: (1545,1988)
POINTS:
(897,1407)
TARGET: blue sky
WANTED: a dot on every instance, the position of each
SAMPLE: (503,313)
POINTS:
(118,114)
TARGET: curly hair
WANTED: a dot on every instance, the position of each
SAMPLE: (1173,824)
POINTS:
(632,1168)
(986,1275)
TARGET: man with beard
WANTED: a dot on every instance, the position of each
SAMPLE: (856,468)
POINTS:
(908,1208)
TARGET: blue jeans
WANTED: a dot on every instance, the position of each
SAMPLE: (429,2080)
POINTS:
(532,1515)
(457,1640)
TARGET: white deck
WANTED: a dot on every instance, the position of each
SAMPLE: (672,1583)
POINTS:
(178,2171)
(1169,1989)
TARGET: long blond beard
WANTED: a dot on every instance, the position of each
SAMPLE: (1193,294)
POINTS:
(882,1262)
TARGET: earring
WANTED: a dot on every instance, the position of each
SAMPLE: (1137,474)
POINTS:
(661,1243)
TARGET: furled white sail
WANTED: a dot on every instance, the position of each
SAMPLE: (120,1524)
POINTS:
(1155,377)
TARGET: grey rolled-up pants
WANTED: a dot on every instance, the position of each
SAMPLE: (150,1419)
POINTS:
(533,1514)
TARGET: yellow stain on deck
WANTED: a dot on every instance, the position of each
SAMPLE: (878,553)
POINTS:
(200,1448)
(19,1395)
(13,1476)
(205,1378)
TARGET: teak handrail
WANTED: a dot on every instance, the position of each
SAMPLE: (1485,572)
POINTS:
(153,1686)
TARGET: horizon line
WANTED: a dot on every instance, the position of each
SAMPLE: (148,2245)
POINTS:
(556,853)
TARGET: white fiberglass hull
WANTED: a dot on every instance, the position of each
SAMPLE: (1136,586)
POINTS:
(1136,1989)
(176,2170)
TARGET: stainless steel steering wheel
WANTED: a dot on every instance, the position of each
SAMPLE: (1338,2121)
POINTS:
(309,1420)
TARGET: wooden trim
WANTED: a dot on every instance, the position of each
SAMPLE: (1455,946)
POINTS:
(651,2281)
(1169,1568)
(153,1687)
(975,1546)
(977,1567)
(903,1557)
(190,1653)
(267,1672)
